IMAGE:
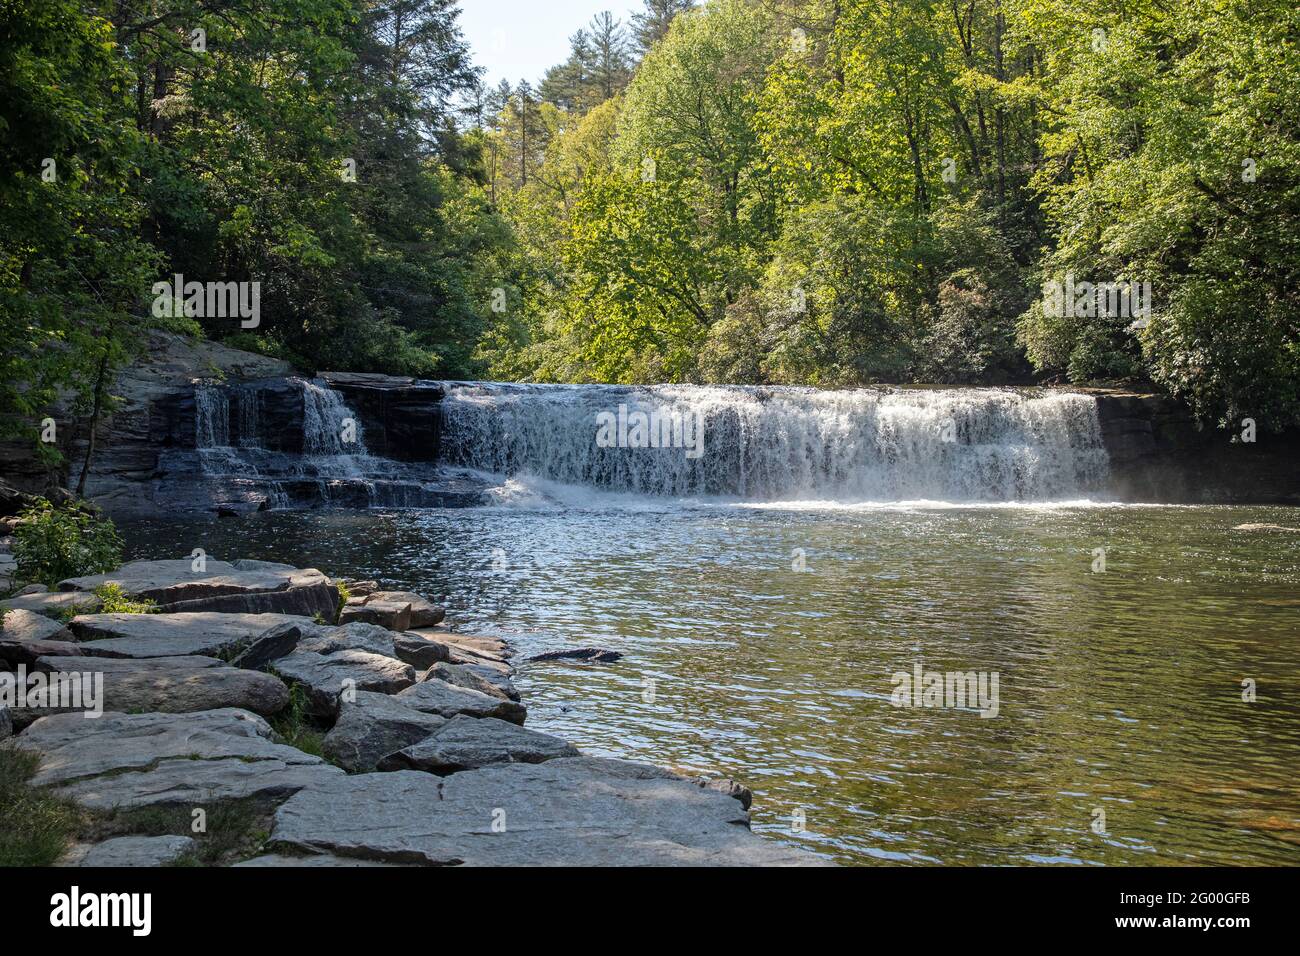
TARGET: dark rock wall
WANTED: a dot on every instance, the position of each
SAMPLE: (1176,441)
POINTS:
(400,416)
(1159,454)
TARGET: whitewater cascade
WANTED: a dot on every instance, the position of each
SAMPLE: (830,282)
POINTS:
(333,468)
(786,444)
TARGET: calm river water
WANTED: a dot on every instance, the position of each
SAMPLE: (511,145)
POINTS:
(1120,692)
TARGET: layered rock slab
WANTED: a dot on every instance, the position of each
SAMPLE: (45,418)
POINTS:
(176,685)
(125,761)
(446,700)
(206,633)
(176,587)
(574,811)
(468,743)
(374,726)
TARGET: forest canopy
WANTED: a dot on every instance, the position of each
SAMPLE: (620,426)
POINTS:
(822,192)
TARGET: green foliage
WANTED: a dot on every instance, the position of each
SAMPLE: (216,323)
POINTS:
(113,600)
(295,726)
(35,825)
(53,543)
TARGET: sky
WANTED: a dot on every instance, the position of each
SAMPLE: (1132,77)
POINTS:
(514,39)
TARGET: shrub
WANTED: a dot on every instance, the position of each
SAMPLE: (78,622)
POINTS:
(52,543)
(113,600)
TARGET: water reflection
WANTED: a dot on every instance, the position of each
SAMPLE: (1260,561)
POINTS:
(1121,692)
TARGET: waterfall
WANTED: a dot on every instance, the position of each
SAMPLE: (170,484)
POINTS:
(773,444)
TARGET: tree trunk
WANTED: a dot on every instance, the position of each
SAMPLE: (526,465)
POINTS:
(96,408)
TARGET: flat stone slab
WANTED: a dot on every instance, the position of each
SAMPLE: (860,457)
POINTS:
(55,604)
(176,685)
(176,587)
(574,811)
(23,625)
(133,851)
(467,743)
(374,726)
(13,653)
(491,648)
(446,700)
(472,677)
(194,760)
(325,676)
(172,635)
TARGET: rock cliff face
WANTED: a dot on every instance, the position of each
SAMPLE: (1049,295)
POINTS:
(400,415)
(1159,454)
(203,427)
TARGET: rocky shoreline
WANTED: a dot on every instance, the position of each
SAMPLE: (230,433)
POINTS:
(423,757)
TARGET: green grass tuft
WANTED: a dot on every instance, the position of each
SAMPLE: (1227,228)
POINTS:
(35,826)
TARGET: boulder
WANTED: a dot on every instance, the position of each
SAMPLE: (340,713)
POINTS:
(372,727)
(173,635)
(361,589)
(324,676)
(176,685)
(190,760)
(56,605)
(13,653)
(419,651)
(446,700)
(461,675)
(33,589)
(133,851)
(467,743)
(23,625)
(177,588)
(573,811)
(280,641)
(394,615)
(423,612)
(587,654)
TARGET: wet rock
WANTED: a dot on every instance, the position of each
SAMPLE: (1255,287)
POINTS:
(394,615)
(573,811)
(423,612)
(446,700)
(467,743)
(175,685)
(134,851)
(173,635)
(191,760)
(728,786)
(325,676)
(419,651)
(374,726)
(461,675)
(23,625)
(56,604)
(587,654)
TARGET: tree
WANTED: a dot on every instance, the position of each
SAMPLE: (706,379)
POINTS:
(651,25)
